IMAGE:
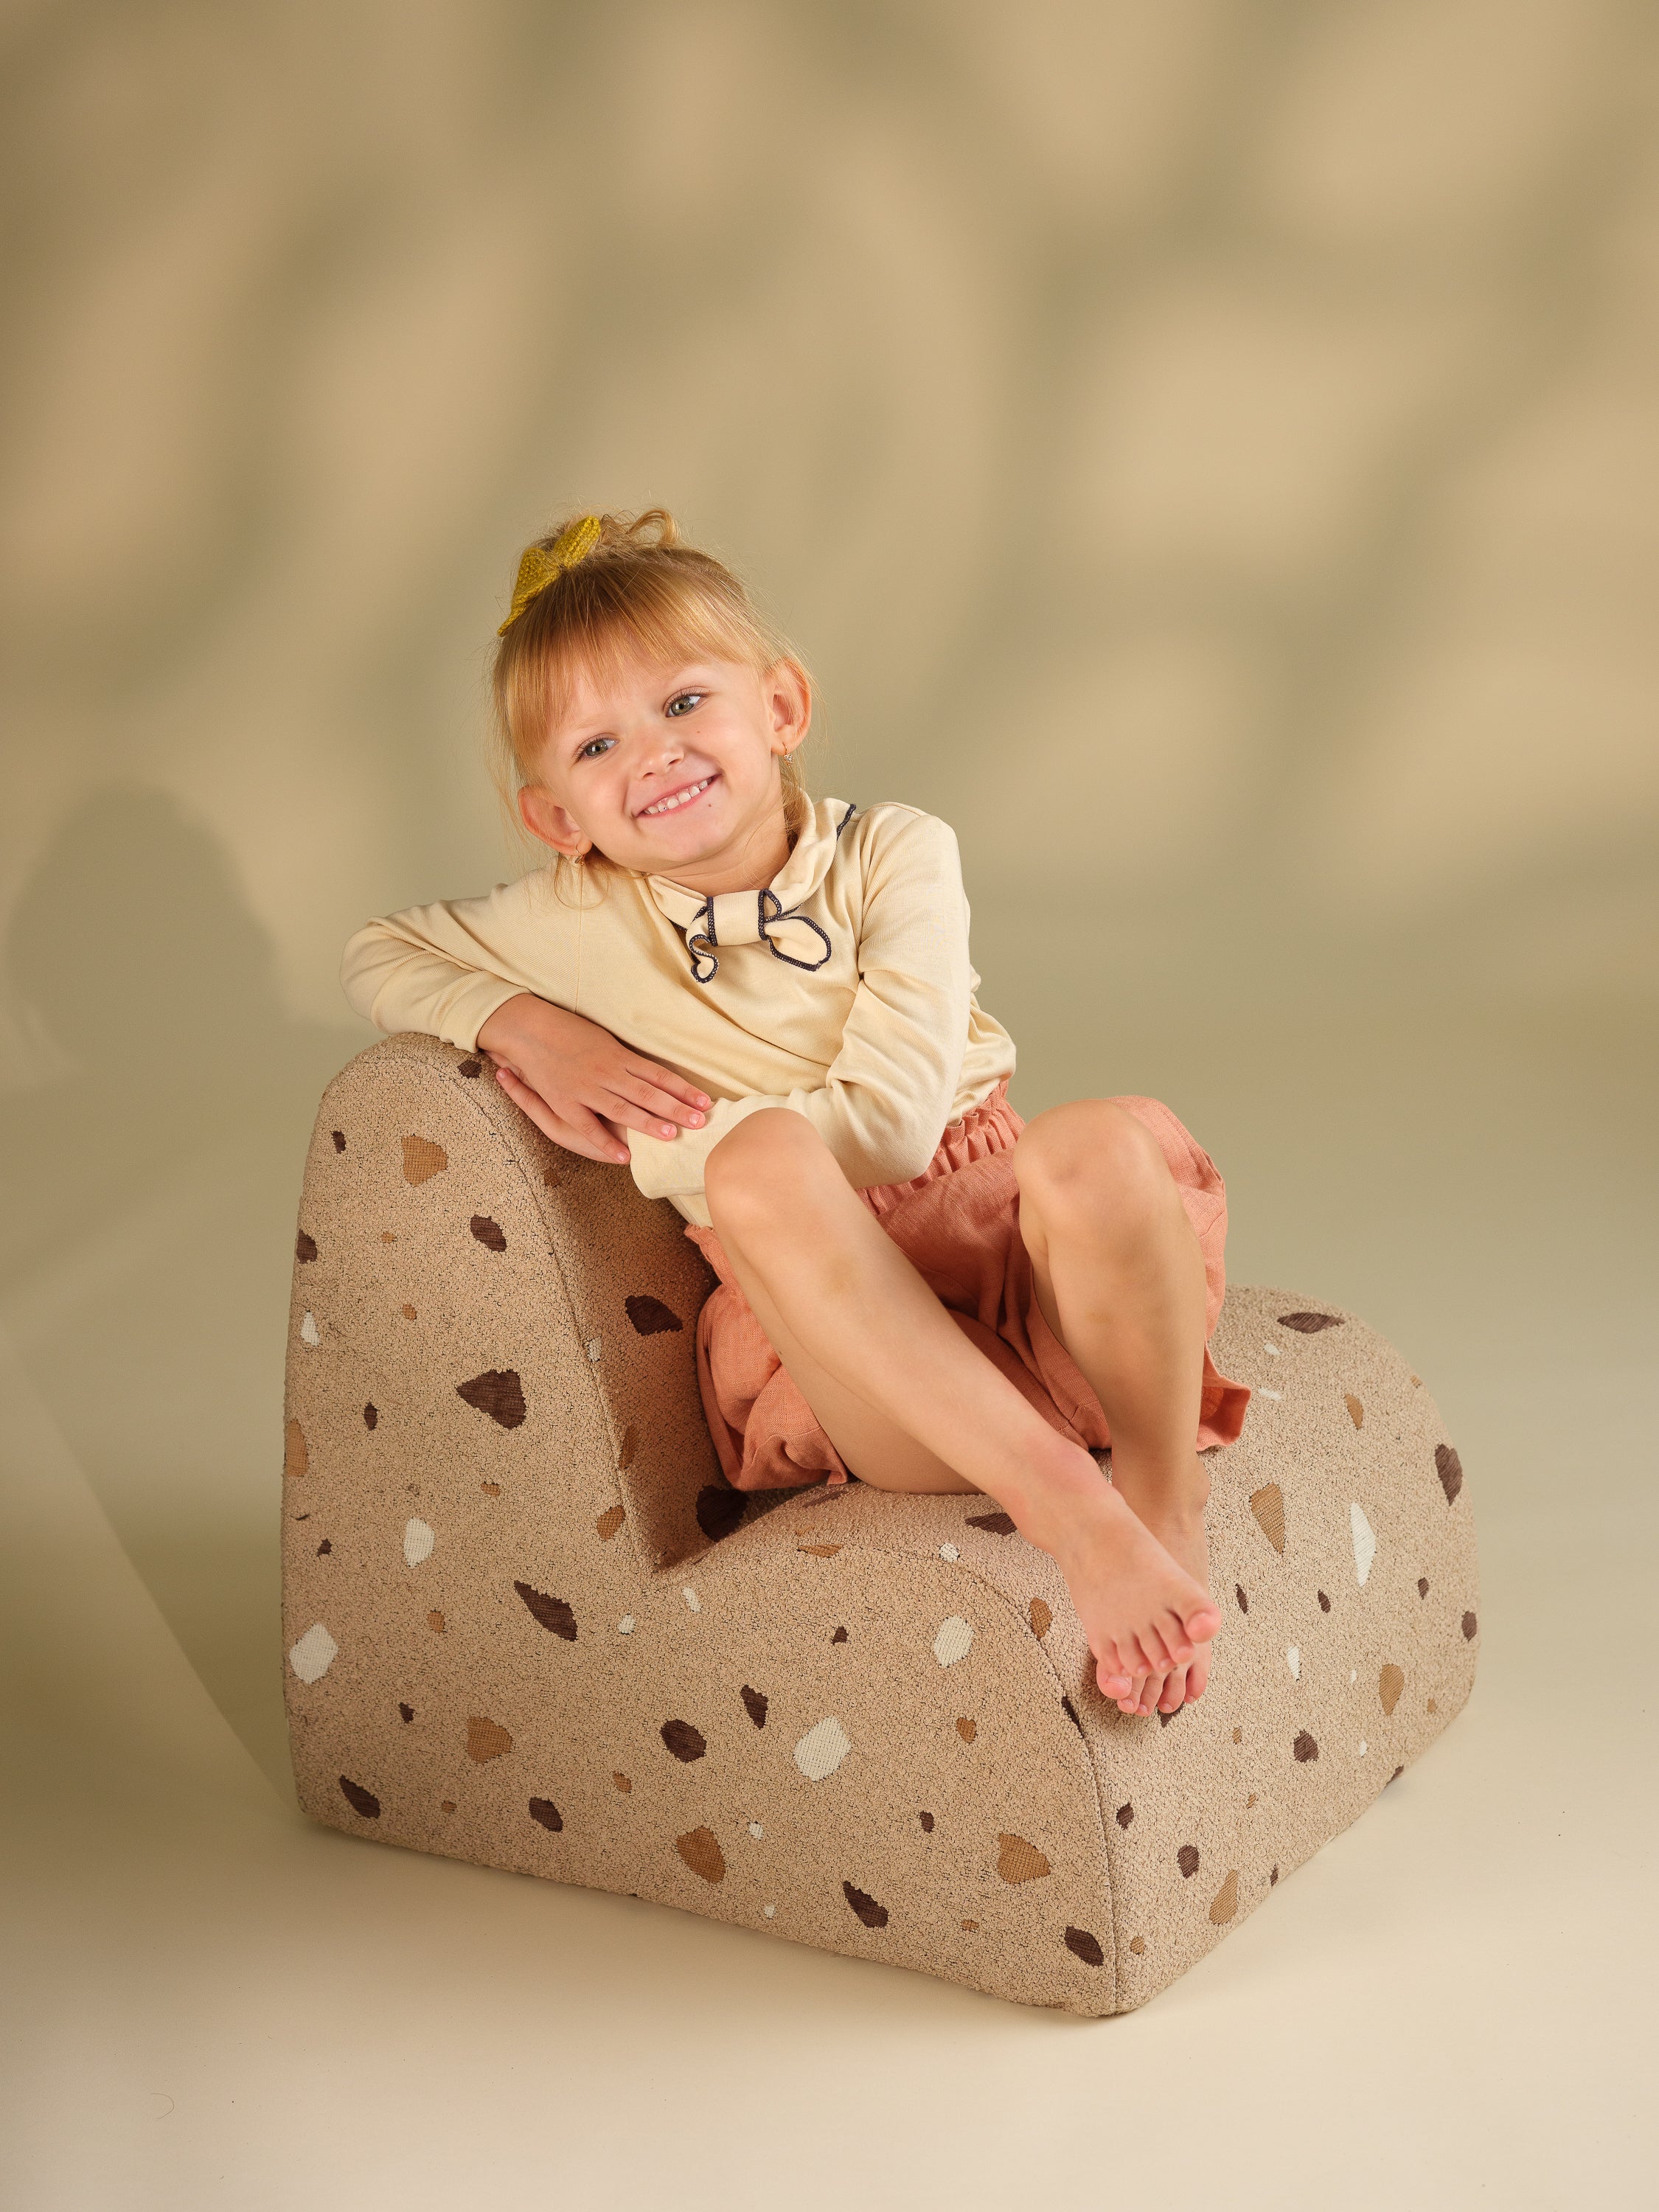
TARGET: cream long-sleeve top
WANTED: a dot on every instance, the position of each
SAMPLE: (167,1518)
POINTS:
(843,990)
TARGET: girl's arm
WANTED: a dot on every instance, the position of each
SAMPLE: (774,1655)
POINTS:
(458,969)
(889,1091)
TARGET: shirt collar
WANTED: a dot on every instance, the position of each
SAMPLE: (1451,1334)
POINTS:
(713,923)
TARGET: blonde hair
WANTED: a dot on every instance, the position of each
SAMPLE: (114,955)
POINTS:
(633,596)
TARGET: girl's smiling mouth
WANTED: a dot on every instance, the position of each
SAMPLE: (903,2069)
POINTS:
(674,800)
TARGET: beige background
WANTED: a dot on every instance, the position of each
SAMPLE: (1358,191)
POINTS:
(1209,453)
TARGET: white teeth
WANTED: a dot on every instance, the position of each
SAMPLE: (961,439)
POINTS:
(681,798)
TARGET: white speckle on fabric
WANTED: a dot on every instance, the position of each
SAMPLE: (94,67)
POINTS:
(691,1598)
(955,1637)
(315,1654)
(1364,1542)
(419,1537)
(821,1749)
(949,1551)
(309,1332)
(756,1829)
(625,1626)
(1293,1661)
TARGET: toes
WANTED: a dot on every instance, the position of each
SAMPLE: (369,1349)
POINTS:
(1203,1622)
(1197,1675)
(1174,1692)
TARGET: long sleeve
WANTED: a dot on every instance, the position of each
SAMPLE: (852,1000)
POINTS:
(887,1097)
(446,968)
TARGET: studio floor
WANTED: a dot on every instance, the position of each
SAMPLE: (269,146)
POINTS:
(212,2004)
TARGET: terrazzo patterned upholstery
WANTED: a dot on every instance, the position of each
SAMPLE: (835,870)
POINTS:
(528,1624)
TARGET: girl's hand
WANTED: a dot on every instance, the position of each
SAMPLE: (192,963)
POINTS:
(581,1086)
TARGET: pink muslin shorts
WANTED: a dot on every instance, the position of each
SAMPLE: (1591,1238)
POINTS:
(957,1221)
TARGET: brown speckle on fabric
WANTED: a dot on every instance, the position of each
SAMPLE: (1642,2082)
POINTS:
(622,1781)
(926,1821)
(995,1524)
(685,1742)
(1124,1815)
(1304,1747)
(1324,1602)
(553,1613)
(1187,1860)
(371,1416)
(1243,1602)
(649,1315)
(754,1703)
(338,1136)
(497,1392)
(871,1914)
(305,1248)
(543,1810)
(840,1636)
(1086,1947)
(489,1233)
(362,1801)
(1470,1626)
(702,1852)
(1449,1469)
(1310,1324)
(405,1713)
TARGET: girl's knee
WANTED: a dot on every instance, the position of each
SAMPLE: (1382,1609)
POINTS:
(1088,1146)
(758,1161)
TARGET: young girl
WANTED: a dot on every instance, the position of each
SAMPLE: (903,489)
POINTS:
(914,1285)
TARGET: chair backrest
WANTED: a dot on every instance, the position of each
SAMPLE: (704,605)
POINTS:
(466,1289)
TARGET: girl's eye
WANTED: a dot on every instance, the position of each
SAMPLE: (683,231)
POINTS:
(680,703)
(584,752)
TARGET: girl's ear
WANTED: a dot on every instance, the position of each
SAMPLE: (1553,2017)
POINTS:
(788,692)
(543,818)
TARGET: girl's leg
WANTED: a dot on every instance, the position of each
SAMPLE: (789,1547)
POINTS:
(1120,1278)
(819,1269)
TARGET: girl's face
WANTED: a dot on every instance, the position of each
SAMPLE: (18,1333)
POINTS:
(672,770)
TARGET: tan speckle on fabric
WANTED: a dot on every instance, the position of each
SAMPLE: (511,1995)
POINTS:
(422,1159)
(1390,1683)
(609,1521)
(1225,1903)
(966,1730)
(434,1621)
(486,1738)
(1356,1411)
(1268,1504)
(295,1458)
(1020,1861)
(1041,1618)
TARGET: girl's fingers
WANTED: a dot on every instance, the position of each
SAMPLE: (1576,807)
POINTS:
(680,1103)
(663,1080)
(592,1142)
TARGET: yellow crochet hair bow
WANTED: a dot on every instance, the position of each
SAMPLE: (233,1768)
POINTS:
(542,563)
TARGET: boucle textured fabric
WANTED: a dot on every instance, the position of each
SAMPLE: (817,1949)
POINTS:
(958,1224)
(843,990)
(528,1624)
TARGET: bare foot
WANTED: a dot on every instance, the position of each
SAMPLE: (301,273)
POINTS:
(1174,1513)
(1143,1611)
